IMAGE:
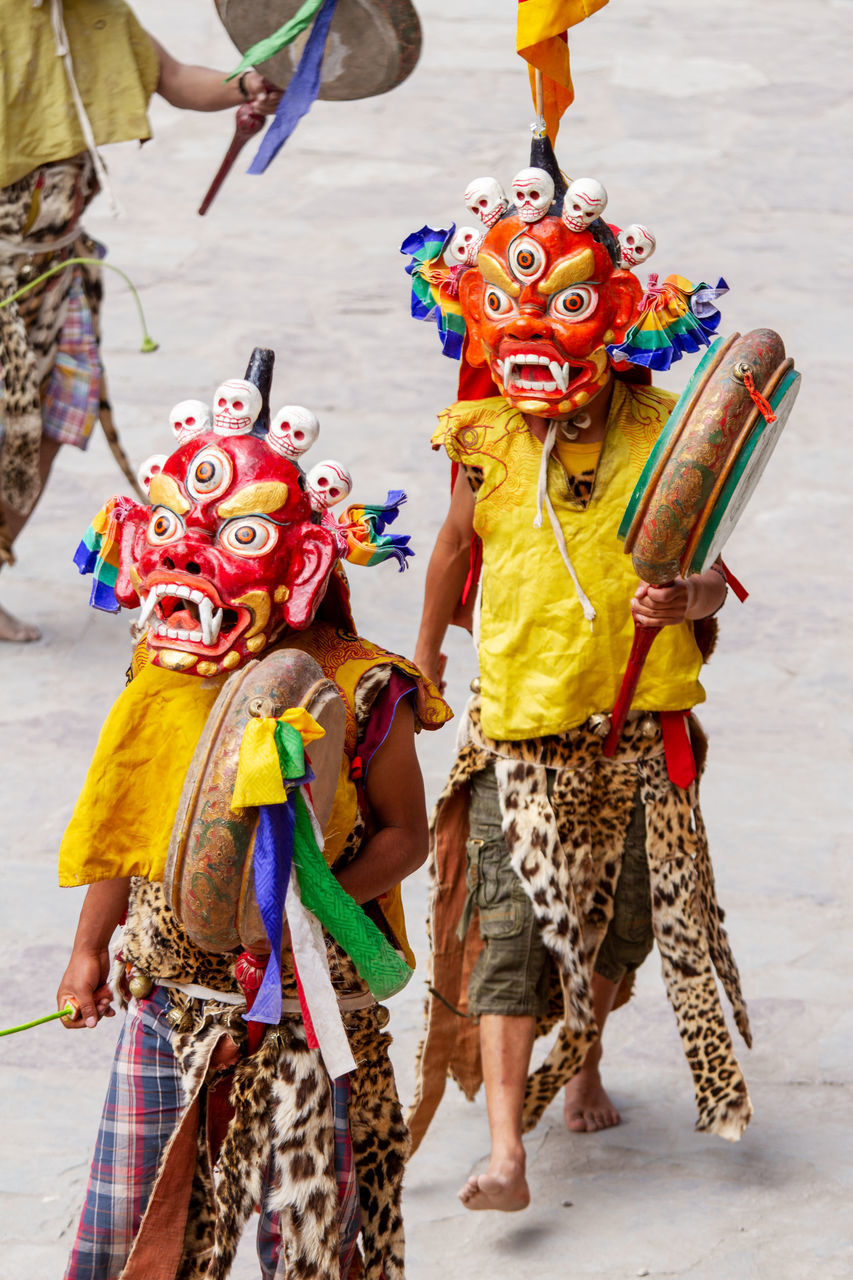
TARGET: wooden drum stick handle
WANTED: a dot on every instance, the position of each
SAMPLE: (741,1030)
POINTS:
(644,638)
(248,123)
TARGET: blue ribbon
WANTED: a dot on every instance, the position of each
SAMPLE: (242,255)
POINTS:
(301,93)
(273,859)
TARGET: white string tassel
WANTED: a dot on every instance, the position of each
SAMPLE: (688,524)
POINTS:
(542,485)
(542,500)
(309,952)
(63,51)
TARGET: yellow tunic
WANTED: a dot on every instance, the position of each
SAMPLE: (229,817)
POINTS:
(122,822)
(115,66)
(543,668)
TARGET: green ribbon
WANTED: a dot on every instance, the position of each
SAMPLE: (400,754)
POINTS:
(382,968)
(291,751)
(271,45)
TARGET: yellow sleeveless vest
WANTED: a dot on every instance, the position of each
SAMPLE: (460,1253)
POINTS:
(544,669)
(115,66)
(123,819)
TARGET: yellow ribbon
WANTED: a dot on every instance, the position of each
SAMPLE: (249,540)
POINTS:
(258,770)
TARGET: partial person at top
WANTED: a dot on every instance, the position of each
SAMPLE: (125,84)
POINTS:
(77,75)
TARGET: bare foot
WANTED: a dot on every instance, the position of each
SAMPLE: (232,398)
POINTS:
(14,631)
(502,1186)
(587,1107)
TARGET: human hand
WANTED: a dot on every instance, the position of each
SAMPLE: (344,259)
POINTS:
(261,94)
(432,665)
(84,984)
(664,606)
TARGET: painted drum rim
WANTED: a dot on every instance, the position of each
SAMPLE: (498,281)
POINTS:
(699,550)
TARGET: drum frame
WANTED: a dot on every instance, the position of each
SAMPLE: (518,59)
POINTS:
(209,878)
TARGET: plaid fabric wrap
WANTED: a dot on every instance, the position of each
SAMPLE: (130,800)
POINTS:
(142,1106)
(273,1266)
(72,397)
(144,1101)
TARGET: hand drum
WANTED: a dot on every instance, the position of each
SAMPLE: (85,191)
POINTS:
(372,46)
(702,471)
(709,457)
(210,869)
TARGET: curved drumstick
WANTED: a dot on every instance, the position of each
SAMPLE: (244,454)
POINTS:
(644,638)
(249,122)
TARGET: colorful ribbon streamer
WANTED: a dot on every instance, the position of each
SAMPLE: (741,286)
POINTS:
(364,527)
(271,772)
(98,553)
(301,93)
(267,48)
(435,286)
(676,319)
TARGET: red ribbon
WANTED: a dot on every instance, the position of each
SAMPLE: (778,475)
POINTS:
(762,405)
(680,763)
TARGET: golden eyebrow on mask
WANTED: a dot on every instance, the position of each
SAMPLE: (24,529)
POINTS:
(579,267)
(255,499)
(493,273)
(163,491)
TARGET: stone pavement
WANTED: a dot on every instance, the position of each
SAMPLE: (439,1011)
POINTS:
(725,127)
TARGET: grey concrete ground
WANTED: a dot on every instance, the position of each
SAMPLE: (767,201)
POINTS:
(726,128)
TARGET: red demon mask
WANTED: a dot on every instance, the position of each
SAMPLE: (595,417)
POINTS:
(225,557)
(541,305)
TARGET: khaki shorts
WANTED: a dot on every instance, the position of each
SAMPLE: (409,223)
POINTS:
(512,973)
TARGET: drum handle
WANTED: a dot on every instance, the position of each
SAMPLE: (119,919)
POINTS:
(248,123)
(644,638)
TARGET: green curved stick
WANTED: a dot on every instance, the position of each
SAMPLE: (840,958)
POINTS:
(148,343)
(67,1012)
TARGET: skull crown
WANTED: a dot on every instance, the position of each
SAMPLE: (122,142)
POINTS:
(584,201)
(534,191)
(464,247)
(190,418)
(236,406)
(486,198)
(328,483)
(293,431)
(636,245)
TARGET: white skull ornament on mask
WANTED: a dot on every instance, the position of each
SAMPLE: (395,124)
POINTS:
(292,431)
(636,245)
(533,190)
(236,406)
(150,468)
(328,484)
(464,247)
(189,418)
(584,201)
(486,198)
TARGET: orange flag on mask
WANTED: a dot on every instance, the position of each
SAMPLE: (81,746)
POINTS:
(541,41)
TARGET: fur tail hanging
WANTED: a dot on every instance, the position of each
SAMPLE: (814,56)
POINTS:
(111,435)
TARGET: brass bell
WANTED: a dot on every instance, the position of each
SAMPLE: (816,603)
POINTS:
(649,727)
(475,684)
(139,985)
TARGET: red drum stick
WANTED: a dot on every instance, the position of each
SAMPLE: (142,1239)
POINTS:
(644,638)
(249,122)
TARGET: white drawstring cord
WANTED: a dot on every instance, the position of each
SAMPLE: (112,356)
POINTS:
(63,51)
(542,500)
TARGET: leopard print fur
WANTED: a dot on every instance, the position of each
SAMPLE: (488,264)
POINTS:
(380,1142)
(30,327)
(567,853)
